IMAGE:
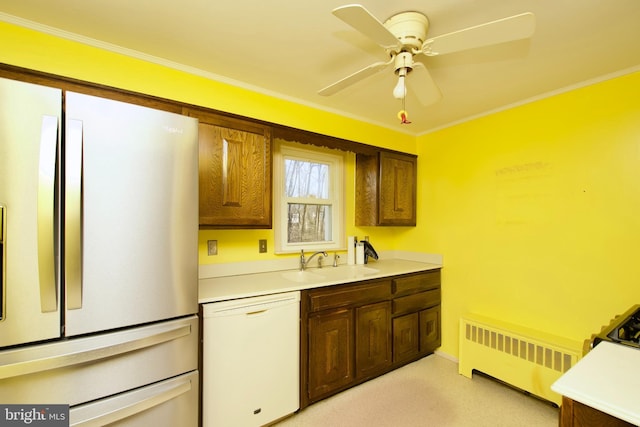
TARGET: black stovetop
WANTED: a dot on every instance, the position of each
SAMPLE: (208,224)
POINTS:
(624,329)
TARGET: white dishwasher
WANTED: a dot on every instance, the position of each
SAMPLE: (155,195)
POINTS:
(251,360)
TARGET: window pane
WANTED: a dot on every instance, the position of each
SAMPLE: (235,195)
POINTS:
(306,179)
(308,223)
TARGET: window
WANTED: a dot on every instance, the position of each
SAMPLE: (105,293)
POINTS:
(308,198)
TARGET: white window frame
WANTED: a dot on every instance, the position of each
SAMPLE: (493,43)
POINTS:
(336,161)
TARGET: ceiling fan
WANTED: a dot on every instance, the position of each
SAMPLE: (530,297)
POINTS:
(404,35)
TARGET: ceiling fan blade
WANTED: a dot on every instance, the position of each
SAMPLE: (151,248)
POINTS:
(362,20)
(355,77)
(422,85)
(503,30)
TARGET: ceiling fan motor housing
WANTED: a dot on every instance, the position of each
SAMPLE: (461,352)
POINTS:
(410,28)
(403,63)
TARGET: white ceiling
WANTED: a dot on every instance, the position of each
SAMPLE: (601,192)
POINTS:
(293,48)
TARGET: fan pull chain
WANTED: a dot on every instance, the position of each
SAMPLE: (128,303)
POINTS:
(402,114)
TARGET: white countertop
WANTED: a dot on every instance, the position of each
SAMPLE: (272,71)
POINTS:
(249,285)
(606,379)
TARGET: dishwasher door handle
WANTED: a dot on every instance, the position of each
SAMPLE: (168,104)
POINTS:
(254,313)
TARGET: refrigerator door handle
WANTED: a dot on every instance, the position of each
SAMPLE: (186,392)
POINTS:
(66,354)
(46,217)
(121,407)
(73,215)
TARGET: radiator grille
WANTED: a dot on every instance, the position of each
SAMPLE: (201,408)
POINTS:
(520,347)
(525,358)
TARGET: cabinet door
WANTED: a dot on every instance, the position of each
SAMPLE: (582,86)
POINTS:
(429,329)
(397,205)
(386,189)
(234,172)
(330,351)
(373,338)
(406,337)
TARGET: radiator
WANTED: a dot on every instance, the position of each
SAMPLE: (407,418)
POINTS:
(521,357)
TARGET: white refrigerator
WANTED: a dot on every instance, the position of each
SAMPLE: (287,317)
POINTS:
(98,249)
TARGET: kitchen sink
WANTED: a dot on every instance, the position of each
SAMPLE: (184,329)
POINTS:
(302,276)
(352,271)
(333,274)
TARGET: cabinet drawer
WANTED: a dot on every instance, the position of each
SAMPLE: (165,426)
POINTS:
(416,301)
(416,283)
(344,295)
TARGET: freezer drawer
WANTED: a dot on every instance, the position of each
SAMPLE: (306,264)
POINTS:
(79,370)
(173,402)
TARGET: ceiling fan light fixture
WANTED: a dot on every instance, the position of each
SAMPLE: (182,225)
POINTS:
(400,90)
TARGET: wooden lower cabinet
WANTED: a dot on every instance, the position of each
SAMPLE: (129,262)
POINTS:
(405,337)
(335,358)
(355,332)
(430,329)
(576,414)
(416,334)
(373,338)
(330,351)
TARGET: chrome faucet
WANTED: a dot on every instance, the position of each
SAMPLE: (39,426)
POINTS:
(304,262)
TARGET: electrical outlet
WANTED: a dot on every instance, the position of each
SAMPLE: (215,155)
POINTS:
(212,247)
(262,246)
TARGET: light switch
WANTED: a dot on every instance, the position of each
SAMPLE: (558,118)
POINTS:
(262,246)
(212,246)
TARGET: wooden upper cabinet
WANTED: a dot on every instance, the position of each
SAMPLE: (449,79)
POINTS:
(234,172)
(386,189)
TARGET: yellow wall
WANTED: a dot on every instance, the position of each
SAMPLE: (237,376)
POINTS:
(537,211)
